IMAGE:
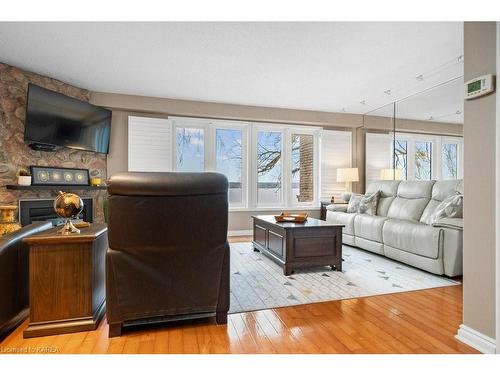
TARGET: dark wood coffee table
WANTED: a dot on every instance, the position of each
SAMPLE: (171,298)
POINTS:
(293,245)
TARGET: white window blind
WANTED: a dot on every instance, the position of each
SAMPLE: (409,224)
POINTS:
(378,155)
(336,152)
(149,144)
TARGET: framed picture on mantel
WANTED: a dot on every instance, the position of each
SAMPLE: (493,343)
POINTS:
(59,176)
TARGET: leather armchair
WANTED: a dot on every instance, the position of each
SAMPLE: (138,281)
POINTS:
(168,256)
(14,277)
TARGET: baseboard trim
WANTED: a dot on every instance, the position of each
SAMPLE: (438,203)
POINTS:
(240,233)
(477,340)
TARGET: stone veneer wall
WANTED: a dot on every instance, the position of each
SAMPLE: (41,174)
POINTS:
(14,152)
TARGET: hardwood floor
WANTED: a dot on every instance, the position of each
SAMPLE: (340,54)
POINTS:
(412,322)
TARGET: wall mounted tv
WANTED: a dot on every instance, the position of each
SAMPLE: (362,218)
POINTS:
(55,120)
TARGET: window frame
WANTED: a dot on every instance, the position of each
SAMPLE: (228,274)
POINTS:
(244,128)
(437,142)
(254,178)
(191,124)
(460,154)
(287,201)
(249,131)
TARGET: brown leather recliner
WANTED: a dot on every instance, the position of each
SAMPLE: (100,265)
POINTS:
(168,256)
(14,277)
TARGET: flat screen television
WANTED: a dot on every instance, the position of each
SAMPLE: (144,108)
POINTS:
(55,120)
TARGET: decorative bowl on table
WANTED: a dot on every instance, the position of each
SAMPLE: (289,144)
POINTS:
(287,217)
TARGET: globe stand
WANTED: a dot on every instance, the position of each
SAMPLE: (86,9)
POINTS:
(69,228)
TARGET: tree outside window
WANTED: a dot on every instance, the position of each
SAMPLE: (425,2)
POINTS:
(423,160)
(401,158)
(229,161)
(450,161)
(190,150)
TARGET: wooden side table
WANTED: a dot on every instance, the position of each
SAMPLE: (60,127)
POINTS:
(67,283)
(324,204)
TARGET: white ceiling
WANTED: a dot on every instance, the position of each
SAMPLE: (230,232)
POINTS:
(318,66)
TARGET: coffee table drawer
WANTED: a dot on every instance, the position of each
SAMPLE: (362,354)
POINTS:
(314,246)
(259,235)
(275,243)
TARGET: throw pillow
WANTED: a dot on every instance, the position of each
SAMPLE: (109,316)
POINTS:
(451,206)
(354,201)
(368,204)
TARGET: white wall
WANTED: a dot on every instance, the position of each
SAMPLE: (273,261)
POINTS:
(480,190)
(498,201)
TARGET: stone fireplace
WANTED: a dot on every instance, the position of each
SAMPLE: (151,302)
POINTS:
(14,152)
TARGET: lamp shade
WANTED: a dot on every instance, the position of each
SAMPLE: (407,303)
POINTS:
(391,174)
(347,175)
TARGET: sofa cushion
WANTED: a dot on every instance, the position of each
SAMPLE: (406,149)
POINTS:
(440,191)
(415,189)
(452,207)
(407,209)
(388,190)
(411,200)
(368,204)
(354,202)
(344,218)
(369,227)
(413,237)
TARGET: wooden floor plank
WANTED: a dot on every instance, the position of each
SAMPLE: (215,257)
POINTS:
(410,322)
(423,321)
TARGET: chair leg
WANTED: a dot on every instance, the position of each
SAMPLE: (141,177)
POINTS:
(221,317)
(115,329)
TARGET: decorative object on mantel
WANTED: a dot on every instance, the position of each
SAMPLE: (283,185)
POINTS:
(59,176)
(8,223)
(68,206)
(24,177)
(95,178)
(291,218)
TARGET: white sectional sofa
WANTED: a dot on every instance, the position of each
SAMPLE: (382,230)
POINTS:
(402,230)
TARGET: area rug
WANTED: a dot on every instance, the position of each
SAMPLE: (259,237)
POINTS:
(258,283)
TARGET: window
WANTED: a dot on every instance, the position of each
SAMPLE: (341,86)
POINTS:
(149,144)
(190,149)
(269,172)
(229,161)
(268,166)
(423,160)
(433,157)
(302,168)
(401,158)
(449,160)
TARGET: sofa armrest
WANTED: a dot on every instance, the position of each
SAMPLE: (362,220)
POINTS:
(450,223)
(339,207)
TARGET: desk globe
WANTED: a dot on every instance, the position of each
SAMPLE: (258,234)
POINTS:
(68,206)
